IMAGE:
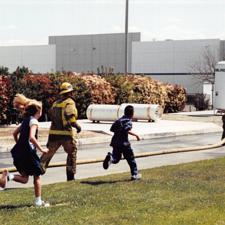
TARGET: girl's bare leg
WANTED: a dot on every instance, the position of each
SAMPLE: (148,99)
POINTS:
(3,180)
(37,186)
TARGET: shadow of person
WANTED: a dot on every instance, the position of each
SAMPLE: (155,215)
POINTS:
(13,189)
(100,182)
(12,207)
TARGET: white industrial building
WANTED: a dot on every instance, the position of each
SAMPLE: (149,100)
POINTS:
(219,97)
(176,61)
(39,58)
(172,61)
(83,53)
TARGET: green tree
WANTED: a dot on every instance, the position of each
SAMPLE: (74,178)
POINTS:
(4,70)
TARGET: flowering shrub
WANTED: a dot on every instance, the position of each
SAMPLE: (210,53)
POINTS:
(39,87)
(144,89)
(101,91)
(108,89)
(4,98)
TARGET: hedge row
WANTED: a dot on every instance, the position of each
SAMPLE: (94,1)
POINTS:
(110,89)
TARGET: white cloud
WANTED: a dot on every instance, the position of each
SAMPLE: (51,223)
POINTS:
(179,32)
(8,27)
(174,20)
(159,22)
(59,2)
(115,1)
(12,42)
(177,2)
(11,27)
(118,29)
(134,29)
(19,42)
(171,31)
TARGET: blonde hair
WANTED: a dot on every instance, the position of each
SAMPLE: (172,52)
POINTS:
(22,103)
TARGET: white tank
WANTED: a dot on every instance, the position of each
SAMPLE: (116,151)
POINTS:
(102,112)
(219,96)
(150,112)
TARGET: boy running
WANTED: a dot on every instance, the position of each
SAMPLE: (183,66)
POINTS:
(120,143)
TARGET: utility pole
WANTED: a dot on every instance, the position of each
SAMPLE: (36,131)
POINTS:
(126,36)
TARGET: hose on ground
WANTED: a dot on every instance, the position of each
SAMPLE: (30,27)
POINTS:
(138,155)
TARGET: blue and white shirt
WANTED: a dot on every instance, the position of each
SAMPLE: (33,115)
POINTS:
(120,128)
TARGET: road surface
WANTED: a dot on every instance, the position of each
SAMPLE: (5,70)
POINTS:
(54,175)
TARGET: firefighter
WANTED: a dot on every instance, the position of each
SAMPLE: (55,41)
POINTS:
(63,115)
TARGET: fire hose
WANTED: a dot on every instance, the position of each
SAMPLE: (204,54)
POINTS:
(138,155)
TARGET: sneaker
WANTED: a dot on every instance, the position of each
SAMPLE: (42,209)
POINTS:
(136,177)
(42,204)
(107,161)
(3,180)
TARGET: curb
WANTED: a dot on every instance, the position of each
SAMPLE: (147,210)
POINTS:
(107,139)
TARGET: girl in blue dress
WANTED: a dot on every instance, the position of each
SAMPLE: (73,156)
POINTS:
(24,155)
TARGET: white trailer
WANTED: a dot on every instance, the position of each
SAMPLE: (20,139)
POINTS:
(219,98)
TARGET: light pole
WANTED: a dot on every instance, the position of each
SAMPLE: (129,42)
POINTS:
(92,59)
(126,36)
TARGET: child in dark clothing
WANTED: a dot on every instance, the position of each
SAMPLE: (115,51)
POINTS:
(120,143)
(25,158)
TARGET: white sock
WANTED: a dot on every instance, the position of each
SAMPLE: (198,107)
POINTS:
(11,176)
(38,200)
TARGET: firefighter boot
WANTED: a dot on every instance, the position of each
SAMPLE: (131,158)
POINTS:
(70,175)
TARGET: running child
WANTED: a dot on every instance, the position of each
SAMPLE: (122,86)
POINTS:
(24,155)
(120,143)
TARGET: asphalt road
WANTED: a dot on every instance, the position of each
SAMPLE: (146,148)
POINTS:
(93,151)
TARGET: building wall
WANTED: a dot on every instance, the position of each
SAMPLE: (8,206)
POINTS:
(169,61)
(82,53)
(222,52)
(175,61)
(39,59)
(219,96)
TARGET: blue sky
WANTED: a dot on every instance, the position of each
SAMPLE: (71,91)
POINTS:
(27,22)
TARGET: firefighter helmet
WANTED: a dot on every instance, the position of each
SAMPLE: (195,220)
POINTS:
(65,88)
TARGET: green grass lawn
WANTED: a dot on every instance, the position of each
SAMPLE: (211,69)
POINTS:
(192,193)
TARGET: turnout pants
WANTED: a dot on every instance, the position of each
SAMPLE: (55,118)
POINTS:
(69,146)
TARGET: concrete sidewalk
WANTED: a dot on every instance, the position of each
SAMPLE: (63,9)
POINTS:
(100,132)
(146,130)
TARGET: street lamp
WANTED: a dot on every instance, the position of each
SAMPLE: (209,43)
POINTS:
(126,35)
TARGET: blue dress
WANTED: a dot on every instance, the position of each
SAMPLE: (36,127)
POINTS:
(25,157)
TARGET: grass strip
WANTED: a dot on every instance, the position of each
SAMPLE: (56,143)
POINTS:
(192,193)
